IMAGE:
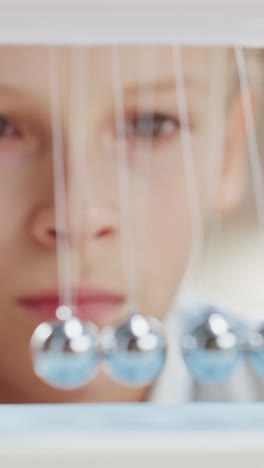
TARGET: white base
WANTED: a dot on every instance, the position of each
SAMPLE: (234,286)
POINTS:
(192,436)
(130,451)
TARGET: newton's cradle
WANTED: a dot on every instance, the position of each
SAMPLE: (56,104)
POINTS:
(66,354)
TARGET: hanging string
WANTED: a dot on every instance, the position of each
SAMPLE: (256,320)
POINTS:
(143,162)
(187,153)
(217,130)
(142,166)
(78,175)
(127,241)
(62,237)
(217,118)
(251,135)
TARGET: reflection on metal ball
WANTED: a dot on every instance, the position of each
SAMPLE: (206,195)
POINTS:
(212,348)
(255,351)
(135,351)
(65,353)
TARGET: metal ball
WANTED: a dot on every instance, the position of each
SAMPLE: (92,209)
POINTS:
(255,351)
(65,353)
(212,348)
(135,351)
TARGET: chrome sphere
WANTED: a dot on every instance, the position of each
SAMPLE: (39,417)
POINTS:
(135,351)
(255,351)
(212,348)
(65,353)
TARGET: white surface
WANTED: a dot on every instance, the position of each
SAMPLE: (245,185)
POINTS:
(115,436)
(131,450)
(132,21)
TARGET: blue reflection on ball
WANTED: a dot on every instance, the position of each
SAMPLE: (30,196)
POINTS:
(135,351)
(65,354)
(212,367)
(212,347)
(255,351)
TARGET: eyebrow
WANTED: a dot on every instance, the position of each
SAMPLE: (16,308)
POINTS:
(16,96)
(7,89)
(164,85)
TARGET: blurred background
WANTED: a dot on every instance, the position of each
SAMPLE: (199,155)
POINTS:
(230,270)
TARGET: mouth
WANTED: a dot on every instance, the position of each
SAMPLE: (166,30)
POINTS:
(95,306)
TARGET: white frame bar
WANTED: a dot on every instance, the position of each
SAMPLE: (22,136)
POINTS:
(95,22)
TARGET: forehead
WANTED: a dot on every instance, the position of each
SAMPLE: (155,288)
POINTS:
(30,64)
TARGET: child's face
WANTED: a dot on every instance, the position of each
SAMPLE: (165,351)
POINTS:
(159,196)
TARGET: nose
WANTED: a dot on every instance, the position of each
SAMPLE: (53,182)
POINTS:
(84,226)
(43,228)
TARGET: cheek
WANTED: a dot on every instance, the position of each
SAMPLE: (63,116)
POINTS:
(166,241)
(171,222)
(21,190)
(20,193)
(16,202)
(13,210)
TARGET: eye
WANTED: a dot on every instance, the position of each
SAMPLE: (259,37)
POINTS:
(156,126)
(7,128)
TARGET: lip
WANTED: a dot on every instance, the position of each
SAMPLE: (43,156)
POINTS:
(89,305)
